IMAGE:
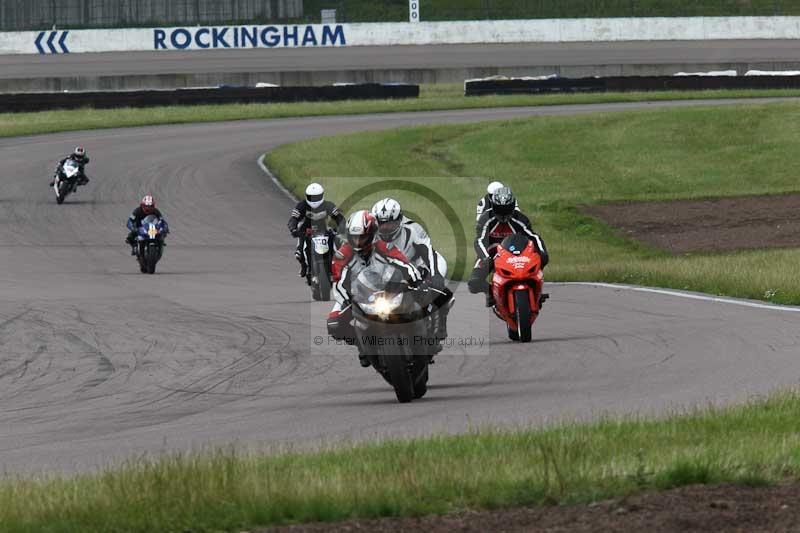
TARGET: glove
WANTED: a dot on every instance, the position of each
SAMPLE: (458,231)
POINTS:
(295,233)
(422,288)
(417,283)
(309,231)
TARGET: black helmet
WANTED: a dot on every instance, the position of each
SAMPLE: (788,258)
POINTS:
(503,203)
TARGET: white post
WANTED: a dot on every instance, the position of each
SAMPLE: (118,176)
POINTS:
(413,10)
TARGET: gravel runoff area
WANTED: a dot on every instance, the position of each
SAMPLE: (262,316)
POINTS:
(693,508)
(713,225)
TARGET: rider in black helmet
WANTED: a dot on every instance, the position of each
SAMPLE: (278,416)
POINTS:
(497,223)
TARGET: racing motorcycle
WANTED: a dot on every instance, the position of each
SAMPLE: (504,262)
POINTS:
(65,181)
(150,243)
(517,286)
(319,268)
(394,329)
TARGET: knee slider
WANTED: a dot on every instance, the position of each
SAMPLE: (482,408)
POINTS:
(476,285)
(340,328)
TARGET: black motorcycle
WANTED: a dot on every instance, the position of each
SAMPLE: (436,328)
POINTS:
(393,329)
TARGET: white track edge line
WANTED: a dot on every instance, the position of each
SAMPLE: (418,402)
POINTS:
(689,296)
(275,180)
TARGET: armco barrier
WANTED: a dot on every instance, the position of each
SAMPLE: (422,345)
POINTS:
(19,102)
(627,84)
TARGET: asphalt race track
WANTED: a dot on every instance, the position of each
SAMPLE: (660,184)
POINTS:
(100,363)
(766,52)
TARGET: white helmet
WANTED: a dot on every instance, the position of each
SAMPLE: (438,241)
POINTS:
(493,186)
(315,195)
(389,215)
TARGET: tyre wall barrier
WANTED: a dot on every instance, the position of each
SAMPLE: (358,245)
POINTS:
(20,102)
(626,84)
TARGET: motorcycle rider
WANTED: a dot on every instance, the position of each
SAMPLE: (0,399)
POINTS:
(493,226)
(79,156)
(409,237)
(310,215)
(486,201)
(350,259)
(146,208)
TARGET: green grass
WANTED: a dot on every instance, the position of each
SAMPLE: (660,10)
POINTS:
(397,10)
(754,444)
(432,97)
(555,164)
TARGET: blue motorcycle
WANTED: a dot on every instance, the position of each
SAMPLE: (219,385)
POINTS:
(150,243)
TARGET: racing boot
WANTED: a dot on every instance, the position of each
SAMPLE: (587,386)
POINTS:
(542,299)
(489,299)
(303,269)
(130,242)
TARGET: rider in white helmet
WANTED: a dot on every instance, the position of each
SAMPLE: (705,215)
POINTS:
(411,238)
(312,215)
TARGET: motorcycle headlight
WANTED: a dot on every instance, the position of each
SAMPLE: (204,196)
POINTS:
(382,305)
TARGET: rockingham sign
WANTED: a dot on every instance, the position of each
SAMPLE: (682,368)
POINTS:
(409,33)
(249,37)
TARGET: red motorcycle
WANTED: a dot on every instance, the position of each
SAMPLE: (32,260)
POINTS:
(517,286)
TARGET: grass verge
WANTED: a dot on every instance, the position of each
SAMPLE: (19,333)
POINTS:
(432,97)
(555,164)
(754,444)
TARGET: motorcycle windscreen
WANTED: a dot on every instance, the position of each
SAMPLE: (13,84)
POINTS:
(71,168)
(380,292)
(375,278)
(150,226)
